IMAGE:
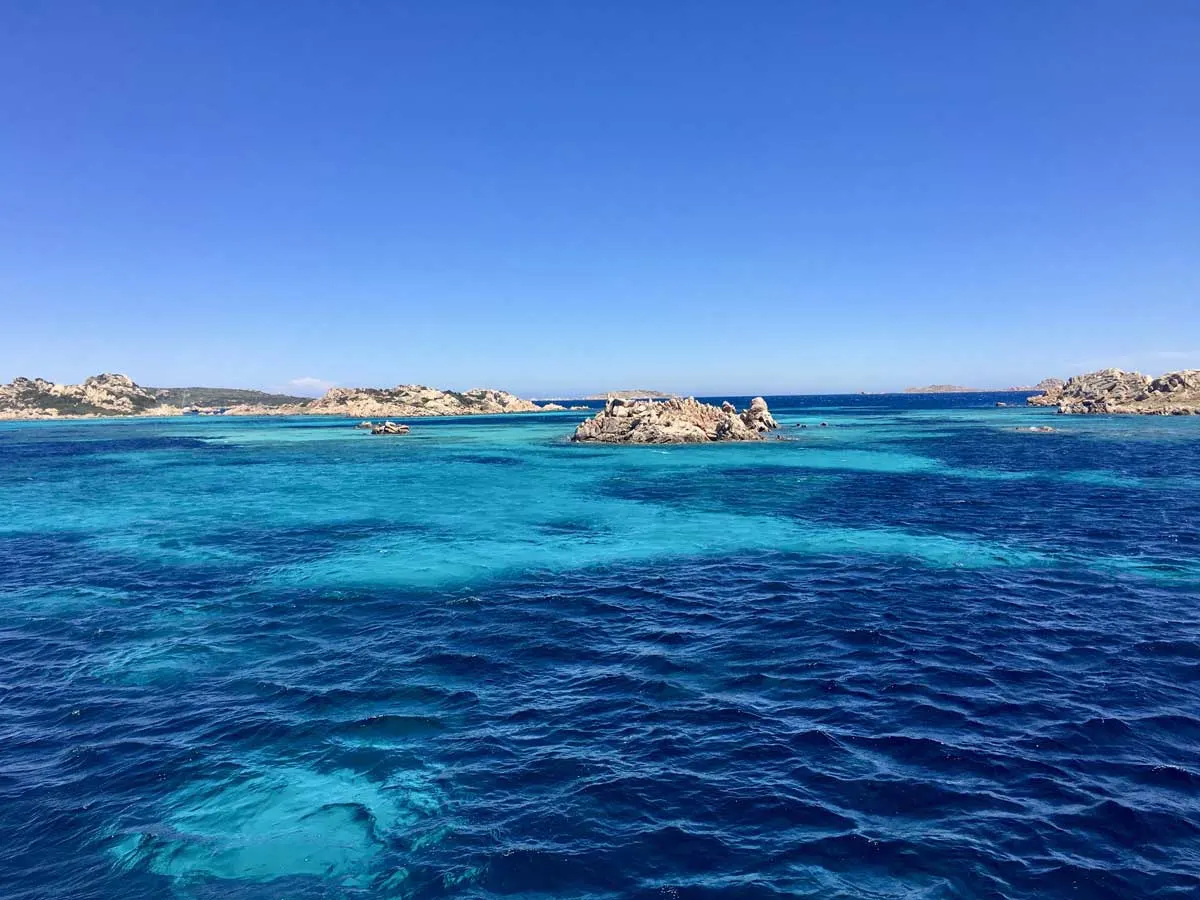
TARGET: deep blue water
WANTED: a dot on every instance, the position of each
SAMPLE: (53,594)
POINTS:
(923,652)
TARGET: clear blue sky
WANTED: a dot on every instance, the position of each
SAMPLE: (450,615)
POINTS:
(555,197)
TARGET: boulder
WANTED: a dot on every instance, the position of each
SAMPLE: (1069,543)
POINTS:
(757,416)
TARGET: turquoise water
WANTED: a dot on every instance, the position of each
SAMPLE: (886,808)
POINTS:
(921,652)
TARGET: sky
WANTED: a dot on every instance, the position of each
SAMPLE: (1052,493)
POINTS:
(559,198)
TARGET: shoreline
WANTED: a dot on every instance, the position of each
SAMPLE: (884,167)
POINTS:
(88,417)
(267,413)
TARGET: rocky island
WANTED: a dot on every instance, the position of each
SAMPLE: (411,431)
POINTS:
(675,421)
(100,395)
(631,395)
(1044,385)
(408,400)
(1119,392)
(119,395)
(942,389)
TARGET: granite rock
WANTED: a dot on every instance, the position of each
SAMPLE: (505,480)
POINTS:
(675,421)
(1115,391)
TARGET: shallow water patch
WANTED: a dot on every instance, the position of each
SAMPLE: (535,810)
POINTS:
(267,823)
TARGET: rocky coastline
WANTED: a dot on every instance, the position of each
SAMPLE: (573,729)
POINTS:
(99,395)
(1116,392)
(623,419)
(118,395)
(675,421)
(410,400)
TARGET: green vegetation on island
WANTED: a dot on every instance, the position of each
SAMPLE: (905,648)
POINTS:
(210,397)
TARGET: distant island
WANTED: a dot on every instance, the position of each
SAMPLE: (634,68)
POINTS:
(119,395)
(1044,385)
(942,389)
(631,395)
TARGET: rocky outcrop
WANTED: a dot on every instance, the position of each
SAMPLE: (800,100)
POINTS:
(675,421)
(757,415)
(100,395)
(1116,391)
(389,428)
(1050,398)
(1053,390)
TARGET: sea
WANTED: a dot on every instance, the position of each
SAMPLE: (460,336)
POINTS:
(914,648)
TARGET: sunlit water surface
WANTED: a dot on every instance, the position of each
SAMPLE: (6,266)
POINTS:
(922,652)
